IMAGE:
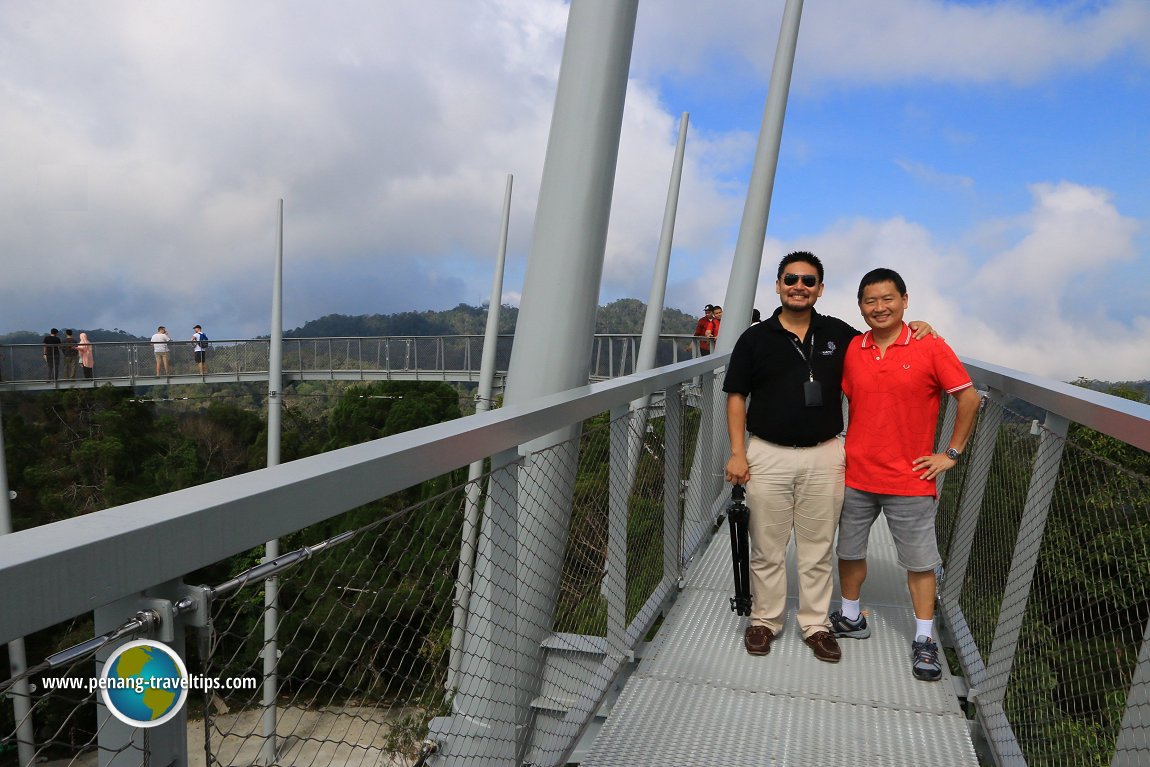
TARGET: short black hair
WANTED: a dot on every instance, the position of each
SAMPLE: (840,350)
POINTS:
(800,255)
(882,274)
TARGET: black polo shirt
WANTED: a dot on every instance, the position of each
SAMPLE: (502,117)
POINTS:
(766,365)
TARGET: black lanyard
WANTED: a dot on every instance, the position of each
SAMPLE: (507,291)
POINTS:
(806,359)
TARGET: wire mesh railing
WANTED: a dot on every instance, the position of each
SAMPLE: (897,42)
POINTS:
(449,358)
(1045,529)
(1047,538)
(307,357)
(365,610)
(363,633)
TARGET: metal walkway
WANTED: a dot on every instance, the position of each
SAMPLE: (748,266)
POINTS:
(454,358)
(698,699)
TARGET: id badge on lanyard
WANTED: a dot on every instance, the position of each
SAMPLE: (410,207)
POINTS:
(812,389)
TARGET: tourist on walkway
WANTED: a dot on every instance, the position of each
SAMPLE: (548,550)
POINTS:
(52,354)
(894,383)
(200,349)
(86,355)
(160,340)
(68,354)
(708,327)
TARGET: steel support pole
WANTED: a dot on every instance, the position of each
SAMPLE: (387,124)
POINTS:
(619,493)
(560,298)
(484,728)
(1032,528)
(980,457)
(483,399)
(21,693)
(942,438)
(561,285)
(740,297)
(1016,594)
(119,743)
(698,523)
(1133,745)
(271,549)
(672,483)
(653,319)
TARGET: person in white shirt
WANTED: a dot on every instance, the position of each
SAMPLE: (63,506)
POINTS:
(200,339)
(160,341)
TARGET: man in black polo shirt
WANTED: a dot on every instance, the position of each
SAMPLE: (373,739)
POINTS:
(791,367)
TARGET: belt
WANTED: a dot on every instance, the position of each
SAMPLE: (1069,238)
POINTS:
(793,444)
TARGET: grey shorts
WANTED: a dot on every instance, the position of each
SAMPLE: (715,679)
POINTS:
(909,518)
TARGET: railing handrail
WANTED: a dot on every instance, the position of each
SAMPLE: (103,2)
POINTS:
(345,358)
(287,338)
(52,564)
(1120,418)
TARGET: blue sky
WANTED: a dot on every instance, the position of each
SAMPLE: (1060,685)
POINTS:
(995,153)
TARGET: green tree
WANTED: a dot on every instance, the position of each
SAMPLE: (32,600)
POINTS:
(384,408)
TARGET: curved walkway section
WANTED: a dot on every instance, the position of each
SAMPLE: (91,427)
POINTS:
(391,358)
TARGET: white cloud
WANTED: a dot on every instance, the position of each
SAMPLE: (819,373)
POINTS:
(1071,230)
(1040,304)
(145,147)
(890,41)
(151,143)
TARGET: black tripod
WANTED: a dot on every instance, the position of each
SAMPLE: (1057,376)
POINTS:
(738,515)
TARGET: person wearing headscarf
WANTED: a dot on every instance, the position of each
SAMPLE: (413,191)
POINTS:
(87,356)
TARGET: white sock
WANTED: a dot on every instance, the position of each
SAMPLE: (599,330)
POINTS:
(851,609)
(924,628)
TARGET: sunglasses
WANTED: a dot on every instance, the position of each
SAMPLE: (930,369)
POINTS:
(809,280)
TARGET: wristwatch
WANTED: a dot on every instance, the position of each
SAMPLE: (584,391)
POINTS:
(953,454)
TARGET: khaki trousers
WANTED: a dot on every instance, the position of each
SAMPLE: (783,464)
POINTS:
(799,489)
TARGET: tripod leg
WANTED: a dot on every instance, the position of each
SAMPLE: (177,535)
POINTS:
(745,564)
(736,553)
(740,555)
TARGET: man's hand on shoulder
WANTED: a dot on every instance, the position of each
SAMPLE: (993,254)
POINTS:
(921,329)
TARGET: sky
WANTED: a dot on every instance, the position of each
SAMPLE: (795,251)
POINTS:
(994,152)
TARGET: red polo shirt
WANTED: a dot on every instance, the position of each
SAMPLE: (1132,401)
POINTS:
(894,402)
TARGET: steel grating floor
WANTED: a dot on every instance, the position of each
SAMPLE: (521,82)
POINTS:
(698,699)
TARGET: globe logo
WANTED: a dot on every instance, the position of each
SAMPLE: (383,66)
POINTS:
(144,683)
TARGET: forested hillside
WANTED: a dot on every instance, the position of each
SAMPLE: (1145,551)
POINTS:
(622,316)
(98,335)
(85,450)
(73,452)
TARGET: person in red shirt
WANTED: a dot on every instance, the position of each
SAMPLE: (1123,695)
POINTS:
(894,383)
(708,327)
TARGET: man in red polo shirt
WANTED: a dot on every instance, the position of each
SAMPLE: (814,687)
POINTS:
(894,383)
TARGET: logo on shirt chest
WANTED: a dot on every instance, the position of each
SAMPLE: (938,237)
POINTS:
(829,350)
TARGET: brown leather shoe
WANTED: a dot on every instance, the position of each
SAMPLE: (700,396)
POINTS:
(757,640)
(825,646)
